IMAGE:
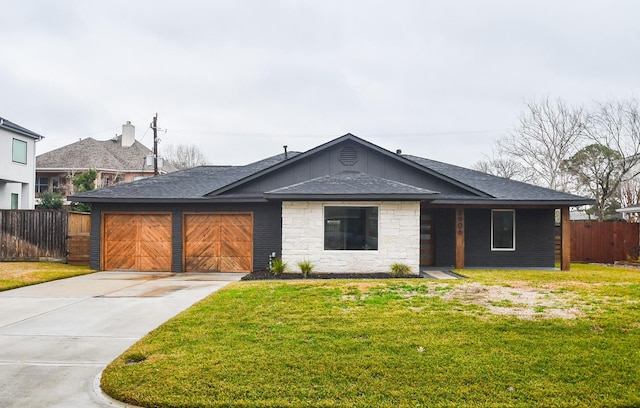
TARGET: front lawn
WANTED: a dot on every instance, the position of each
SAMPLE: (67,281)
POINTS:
(16,274)
(499,339)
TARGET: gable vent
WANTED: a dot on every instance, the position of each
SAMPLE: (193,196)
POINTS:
(348,156)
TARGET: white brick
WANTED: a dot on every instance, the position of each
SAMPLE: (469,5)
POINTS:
(398,240)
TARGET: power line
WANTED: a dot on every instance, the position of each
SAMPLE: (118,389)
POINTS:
(318,135)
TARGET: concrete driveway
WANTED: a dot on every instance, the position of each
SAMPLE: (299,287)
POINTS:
(56,337)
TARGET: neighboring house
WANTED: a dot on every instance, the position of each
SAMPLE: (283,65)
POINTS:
(17,166)
(345,206)
(118,160)
(630,213)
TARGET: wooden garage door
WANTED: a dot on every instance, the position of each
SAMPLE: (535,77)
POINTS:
(137,242)
(218,242)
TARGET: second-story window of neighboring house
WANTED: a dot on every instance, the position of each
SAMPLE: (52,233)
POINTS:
(42,184)
(19,152)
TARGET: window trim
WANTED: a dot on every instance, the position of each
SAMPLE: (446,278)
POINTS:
(14,150)
(513,238)
(324,231)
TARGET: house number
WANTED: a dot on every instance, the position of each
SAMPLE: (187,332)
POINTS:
(460,225)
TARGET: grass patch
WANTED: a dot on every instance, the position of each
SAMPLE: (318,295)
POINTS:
(396,343)
(17,274)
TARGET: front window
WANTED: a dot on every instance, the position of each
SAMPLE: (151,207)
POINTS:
(503,230)
(19,151)
(350,228)
(14,201)
(42,184)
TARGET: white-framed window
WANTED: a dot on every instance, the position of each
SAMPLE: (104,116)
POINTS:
(14,201)
(352,228)
(42,184)
(503,230)
(19,152)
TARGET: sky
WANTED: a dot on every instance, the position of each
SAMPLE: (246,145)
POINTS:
(241,79)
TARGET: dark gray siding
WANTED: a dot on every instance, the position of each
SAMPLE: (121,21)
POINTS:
(328,162)
(445,239)
(535,240)
(96,236)
(176,241)
(267,227)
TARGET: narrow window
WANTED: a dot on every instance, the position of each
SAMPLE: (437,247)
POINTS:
(19,151)
(351,228)
(503,230)
(14,201)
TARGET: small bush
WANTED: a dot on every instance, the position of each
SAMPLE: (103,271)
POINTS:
(306,267)
(278,266)
(51,201)
(399,269)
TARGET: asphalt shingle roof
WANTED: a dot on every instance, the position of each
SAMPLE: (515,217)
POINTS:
(99,154)
(195,183)
(497,187)
(350,183)
(219,182)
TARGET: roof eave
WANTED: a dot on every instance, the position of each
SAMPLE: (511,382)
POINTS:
(502,202)
(152,200)
(12,127)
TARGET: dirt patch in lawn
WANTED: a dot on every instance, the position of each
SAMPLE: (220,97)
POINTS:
(522,301)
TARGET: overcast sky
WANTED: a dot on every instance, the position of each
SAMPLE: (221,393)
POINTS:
(240,79)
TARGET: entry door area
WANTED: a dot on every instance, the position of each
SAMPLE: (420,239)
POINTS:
(218,242)
(136,242)
(426,238)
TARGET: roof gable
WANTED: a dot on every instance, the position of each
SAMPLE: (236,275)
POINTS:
(348,159)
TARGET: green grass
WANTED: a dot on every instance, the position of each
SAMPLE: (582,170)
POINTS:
(396,343)
(17,274)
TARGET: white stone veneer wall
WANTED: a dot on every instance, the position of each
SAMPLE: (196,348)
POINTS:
(398,238)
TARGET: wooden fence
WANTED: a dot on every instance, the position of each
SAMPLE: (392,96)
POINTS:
(37,235)
(78,240)
(603,242)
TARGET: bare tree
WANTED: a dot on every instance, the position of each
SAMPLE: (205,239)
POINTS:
(616,124)
(184,156)
(547,134)
(503,166)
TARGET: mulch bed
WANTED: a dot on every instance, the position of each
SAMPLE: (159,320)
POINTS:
(268,275)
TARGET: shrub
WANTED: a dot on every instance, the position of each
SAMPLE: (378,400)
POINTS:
(306,267)
(400,269)
(278,266)
(51,201)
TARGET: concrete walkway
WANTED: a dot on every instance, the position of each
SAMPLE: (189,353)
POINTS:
(57,337)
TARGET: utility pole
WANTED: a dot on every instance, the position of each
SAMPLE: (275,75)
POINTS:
(154,126)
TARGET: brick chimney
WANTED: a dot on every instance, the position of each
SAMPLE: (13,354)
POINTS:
(128,134)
